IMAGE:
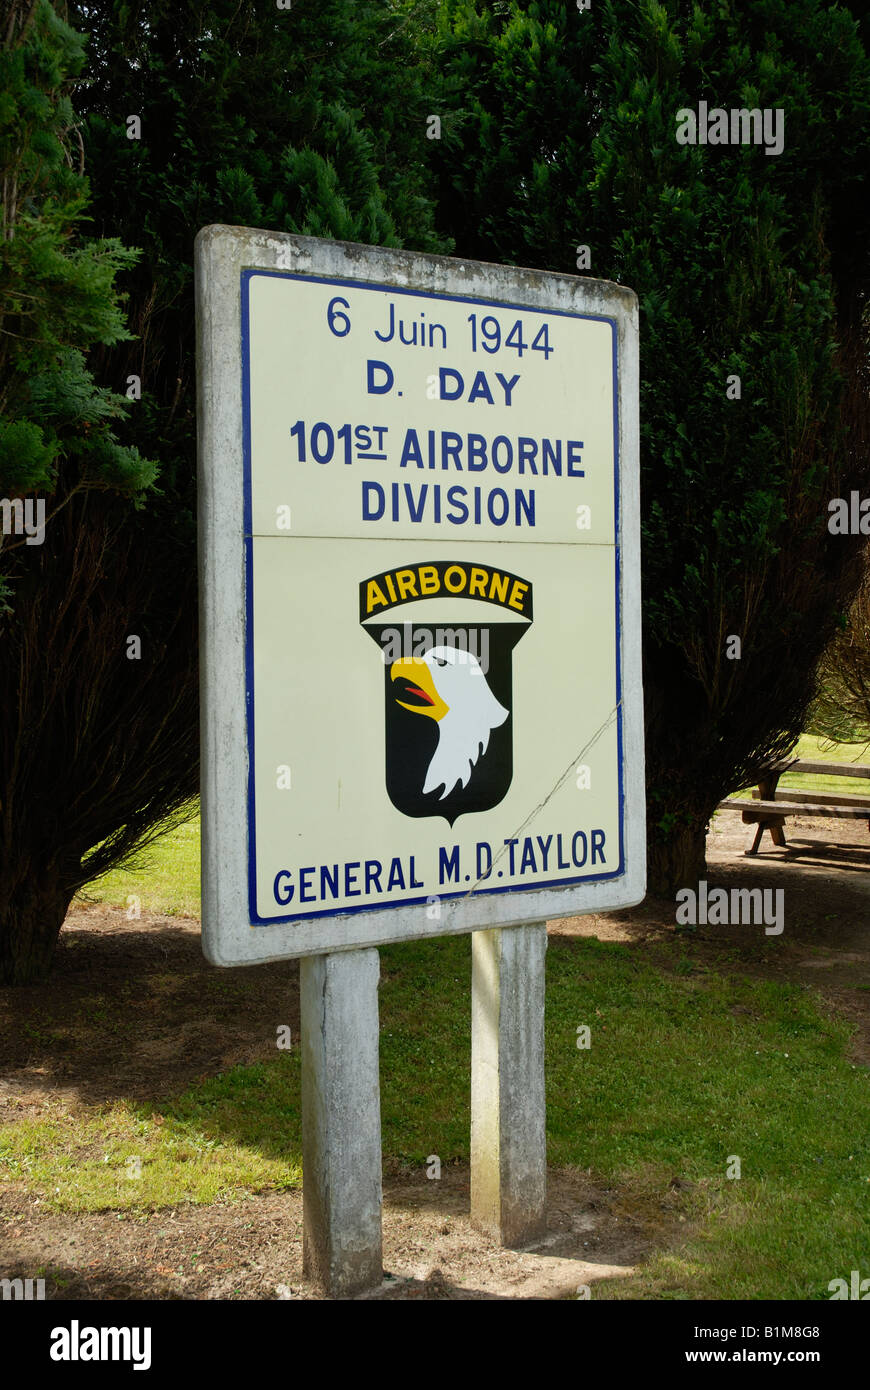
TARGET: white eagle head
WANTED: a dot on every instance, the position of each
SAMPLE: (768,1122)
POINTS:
(447,684)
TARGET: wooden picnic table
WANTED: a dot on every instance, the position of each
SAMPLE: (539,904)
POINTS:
(770,807)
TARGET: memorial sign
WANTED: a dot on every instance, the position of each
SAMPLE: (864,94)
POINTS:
(419,533)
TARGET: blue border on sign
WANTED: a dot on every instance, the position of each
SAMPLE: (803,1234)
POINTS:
(246,277)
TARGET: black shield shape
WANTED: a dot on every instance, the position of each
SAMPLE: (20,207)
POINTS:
(448,724)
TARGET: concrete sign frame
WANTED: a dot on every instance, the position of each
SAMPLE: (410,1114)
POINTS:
(226,260)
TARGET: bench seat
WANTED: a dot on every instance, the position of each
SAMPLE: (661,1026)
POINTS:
(768,810)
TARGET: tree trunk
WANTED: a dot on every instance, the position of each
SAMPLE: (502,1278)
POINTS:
(678,859)
(30,923)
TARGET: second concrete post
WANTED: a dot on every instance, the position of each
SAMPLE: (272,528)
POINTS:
(508,1105)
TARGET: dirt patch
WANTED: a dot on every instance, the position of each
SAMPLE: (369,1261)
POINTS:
(252,1249)
(134,1011)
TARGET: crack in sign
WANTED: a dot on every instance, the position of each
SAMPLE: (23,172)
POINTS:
(560,782)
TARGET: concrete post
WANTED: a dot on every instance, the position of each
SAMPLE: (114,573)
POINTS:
(508,1107)
(341,1122)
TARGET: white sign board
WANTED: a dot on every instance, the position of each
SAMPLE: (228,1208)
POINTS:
(419,532)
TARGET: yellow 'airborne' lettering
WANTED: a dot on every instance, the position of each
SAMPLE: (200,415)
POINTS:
(477,583)
(374,597)
(498,586)
(518,593)
(424,581)
(407,584)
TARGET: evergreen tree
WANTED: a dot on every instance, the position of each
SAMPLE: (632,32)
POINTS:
(57,291)
(560,130)
(59,450)
(311,120)
(307,120)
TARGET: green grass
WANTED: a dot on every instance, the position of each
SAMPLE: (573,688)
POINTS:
(165,876)
(822,750)
(205,1147)
(675,1084)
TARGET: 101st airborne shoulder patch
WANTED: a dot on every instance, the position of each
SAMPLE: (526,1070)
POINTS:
(447,684)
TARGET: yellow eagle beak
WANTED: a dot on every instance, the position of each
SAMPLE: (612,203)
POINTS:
(421,685)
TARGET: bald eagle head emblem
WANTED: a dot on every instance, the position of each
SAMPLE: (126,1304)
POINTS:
(448,686)
(448,681)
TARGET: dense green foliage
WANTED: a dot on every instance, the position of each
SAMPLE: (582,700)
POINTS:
(81,780)
(57,289)
(301,120)
(558,129)
(306,120)
(561,132)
